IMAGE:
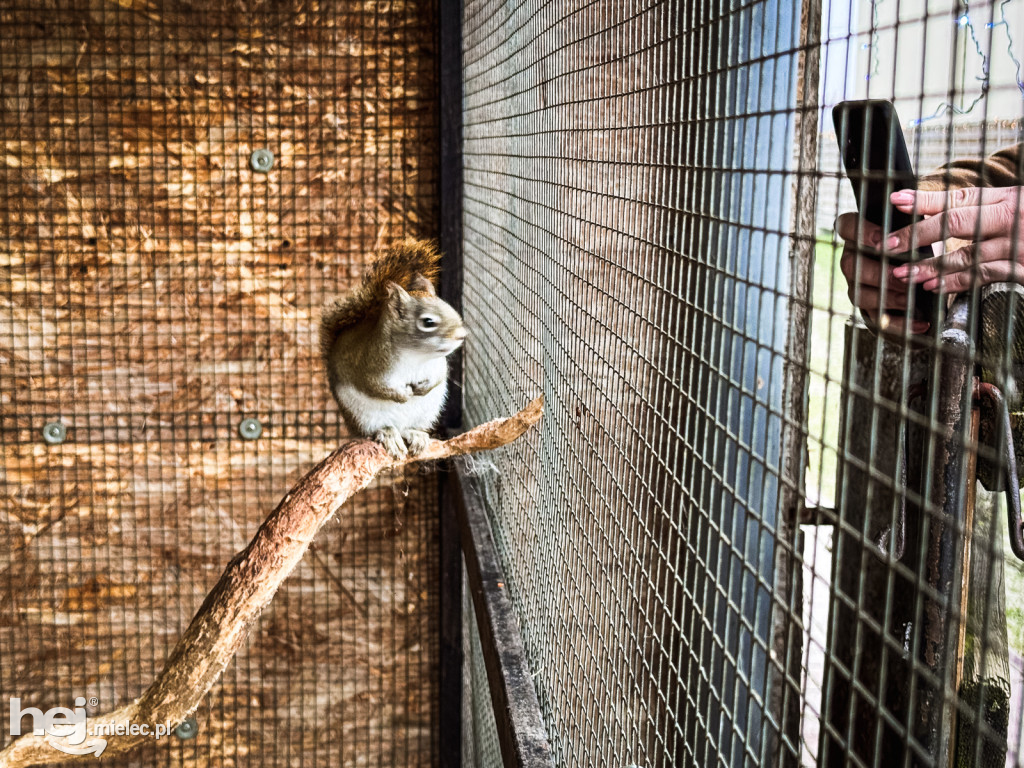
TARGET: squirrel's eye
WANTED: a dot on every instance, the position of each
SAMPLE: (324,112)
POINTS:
(427,323)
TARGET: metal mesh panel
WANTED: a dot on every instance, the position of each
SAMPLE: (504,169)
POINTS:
(918,662)
(748,531)
(155,291)
(614,263)
(480,748)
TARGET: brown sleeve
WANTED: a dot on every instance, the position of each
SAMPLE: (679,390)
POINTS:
(1002,169)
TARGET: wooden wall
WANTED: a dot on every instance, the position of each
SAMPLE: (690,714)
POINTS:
(154,292)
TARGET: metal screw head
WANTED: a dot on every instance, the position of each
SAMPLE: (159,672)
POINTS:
(250,429)
(188,729)
(54,433)
(262,160)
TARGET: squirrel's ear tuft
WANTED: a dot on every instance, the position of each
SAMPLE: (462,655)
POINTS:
(420,283)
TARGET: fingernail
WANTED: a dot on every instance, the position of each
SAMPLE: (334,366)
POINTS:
(903,271)
(892,242)
(902,197)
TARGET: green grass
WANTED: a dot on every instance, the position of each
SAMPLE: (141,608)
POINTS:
(830,309)
(1014,595)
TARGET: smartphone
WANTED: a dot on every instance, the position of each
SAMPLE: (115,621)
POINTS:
(877,163)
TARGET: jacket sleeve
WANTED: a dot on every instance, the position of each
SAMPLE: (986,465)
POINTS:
(1002,169)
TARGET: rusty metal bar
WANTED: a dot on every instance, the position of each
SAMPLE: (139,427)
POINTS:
(943,525)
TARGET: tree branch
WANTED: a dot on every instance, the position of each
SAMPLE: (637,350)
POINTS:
(248,585)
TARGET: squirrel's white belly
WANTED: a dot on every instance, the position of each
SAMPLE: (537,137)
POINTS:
(372,414)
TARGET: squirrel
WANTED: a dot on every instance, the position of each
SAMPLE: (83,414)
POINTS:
(385,347)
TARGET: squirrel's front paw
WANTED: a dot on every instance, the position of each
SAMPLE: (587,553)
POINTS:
(420,388)
(417,440)
(392,441)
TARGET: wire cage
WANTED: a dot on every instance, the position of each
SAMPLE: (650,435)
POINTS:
(761,523)
(749,530)
(183,186)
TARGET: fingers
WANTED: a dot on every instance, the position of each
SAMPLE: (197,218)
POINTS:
(989,261)
(984,274)
(860,268)
(970,213)
(898,324)
(930,203)
(959,260)
(865,276)
(870,299)
(970,223)
(853,228)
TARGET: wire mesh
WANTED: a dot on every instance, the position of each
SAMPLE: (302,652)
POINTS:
(749,531)
(633,529)
(480,746)
(156,291)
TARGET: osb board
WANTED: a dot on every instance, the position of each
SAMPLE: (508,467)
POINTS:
(155,291)
(137,236)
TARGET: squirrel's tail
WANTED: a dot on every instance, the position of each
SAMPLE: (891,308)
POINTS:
(398,264)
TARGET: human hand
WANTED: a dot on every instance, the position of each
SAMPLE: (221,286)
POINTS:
(864,276)
(990,218)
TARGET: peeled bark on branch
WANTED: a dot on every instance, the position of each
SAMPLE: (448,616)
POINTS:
(249,583)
